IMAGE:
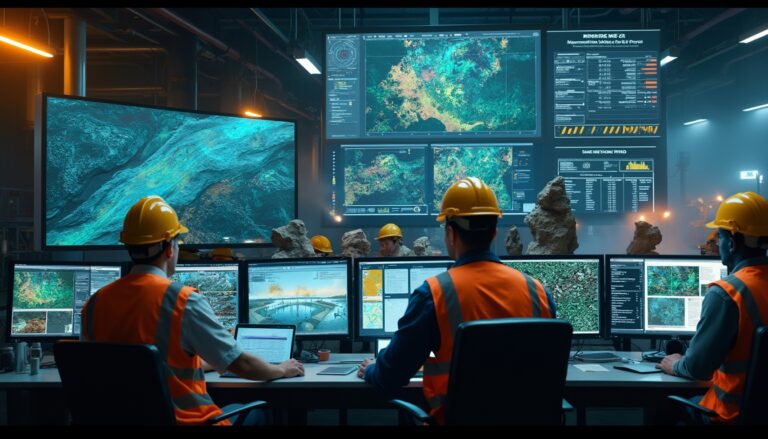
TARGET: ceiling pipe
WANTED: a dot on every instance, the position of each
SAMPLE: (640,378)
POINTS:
(151,21)
(270,24)
(126,50)
(206,37)
(728,13)
(274,49)
(289,107)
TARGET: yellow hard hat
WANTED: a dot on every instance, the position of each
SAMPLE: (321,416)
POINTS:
(321,244)
(469,196)
(150,220)
(745,213)
(388,231)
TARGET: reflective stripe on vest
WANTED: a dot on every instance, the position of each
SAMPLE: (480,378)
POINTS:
(436,401)
(196,374)
(728,398)
(749,302)
(167,308)
(192,400)
(532,291)
(452,305)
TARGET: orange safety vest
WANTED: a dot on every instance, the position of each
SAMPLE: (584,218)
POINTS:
(147,308)
(724,396)
(475,291)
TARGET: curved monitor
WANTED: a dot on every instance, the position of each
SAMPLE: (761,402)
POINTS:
(311,293)
(45,298)
(230,179)
(658,296)
(575,282)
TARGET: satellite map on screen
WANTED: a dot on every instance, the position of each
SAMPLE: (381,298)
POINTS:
(480,84)
(384,176)
(493,165)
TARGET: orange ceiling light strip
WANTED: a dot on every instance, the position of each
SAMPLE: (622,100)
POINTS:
(20,45)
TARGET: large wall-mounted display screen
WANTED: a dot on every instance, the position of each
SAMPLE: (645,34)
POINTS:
(445,84)
(230,179)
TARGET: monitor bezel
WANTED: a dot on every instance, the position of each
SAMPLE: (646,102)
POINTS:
(358,289)
(244,319)
(11,270)
(41,164)
(601,332)
(656,335)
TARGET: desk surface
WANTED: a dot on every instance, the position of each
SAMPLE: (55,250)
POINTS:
(49,378)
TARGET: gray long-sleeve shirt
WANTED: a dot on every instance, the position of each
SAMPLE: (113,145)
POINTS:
(715,333)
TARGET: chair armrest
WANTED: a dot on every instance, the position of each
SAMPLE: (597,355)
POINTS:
(244,410)
(693,405)
(413,410)
(567,407)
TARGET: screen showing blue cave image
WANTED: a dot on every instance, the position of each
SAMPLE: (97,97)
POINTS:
(311,295)
(230,179)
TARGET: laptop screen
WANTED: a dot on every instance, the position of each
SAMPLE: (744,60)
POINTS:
(271,343)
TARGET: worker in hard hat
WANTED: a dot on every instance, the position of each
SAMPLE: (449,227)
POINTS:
(322,246)
(733,308)
(477,286)
(146,307)
(390,240)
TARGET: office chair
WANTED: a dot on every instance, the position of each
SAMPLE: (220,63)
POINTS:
(754,401)
(120,384)
(506,371)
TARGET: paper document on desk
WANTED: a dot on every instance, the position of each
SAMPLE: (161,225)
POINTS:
(590,368)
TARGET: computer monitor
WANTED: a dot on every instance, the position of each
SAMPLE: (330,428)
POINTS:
(218,282)
(383,288)
(658,296)
(46,298)
(575,282)
(311,293)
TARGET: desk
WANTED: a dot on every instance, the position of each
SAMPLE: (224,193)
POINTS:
(611,388)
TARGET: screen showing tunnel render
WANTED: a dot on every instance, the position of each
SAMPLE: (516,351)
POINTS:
(311,294)
(230,179)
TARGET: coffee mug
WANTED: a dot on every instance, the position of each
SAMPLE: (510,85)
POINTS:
(324,354)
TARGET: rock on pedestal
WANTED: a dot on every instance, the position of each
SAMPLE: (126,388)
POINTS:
(355,244)
(552,223)
(512,242)
(646,238)
(421,247)
(291,241)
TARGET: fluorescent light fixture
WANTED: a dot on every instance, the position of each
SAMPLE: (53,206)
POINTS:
(252,114)
(668,56)
(756,107)
(694,122)
(748,175)
(755,36)
(20,45)
(306,60)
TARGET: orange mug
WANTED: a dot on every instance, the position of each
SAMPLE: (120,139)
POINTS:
(323,354)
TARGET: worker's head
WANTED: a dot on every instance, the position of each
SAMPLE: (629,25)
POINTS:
(390,239)
(470,212)
(322,245)
(150,231)
(742,223)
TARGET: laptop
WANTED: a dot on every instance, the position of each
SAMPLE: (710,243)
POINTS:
(271,343)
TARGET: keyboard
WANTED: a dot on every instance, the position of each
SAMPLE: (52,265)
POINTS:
(654,357)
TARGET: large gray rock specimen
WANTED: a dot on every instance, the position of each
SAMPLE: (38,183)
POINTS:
(291,241)
(552,223)
(421,247)
(513,243)
(647,237)
(405,251)
(355,244)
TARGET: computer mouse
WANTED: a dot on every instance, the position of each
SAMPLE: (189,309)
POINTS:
(308,357)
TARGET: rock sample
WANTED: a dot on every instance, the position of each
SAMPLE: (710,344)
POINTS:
(512,242)
(355,244)
(552,223)
(291,241)
(647,237)
(421,247)
(405,251)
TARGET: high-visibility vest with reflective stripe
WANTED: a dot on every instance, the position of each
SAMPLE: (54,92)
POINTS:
(748,288)
(146,308)
(475,291)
